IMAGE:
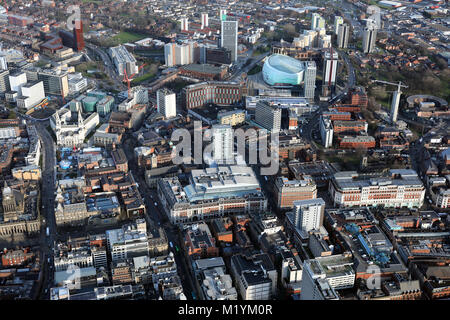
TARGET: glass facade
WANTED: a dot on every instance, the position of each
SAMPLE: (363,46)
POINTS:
(280,69)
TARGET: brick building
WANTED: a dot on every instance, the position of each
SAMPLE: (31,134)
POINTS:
(16,257)
(199,242)
(357,142)
(288,191)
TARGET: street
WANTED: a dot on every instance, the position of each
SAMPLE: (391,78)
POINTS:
(47,208)
(155,217)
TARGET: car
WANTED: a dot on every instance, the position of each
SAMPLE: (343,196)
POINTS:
(156,204)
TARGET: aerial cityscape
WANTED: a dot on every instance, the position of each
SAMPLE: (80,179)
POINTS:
(225,150)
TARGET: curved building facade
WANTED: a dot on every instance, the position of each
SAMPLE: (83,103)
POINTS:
(280,69)
(215,92)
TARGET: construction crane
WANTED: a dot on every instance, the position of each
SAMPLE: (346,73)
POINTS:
(129,79)
(395,98)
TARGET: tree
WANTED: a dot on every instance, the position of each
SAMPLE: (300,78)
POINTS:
(373,105)
(441,63)
(290,30)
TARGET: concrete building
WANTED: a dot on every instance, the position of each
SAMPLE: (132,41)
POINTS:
(268,116)
(217,285)
(205,20)
(229,37)
(291,271)
(16,81)
(322,276)
(166,103)
(3,62)
(123,60)
(77,82)
(138,96)
(184,24)
(255,276)
(310,79)
(338,20)
(214,283)
(4,81)
(179,54)
(330,65)
(308,214)
(128,242)
(343,34)
(443,198)
(32,94)
(395,104)
(34,151)
(9,132)
(369,38)
(326,131)
(223,144)
(55,82)
(317,21)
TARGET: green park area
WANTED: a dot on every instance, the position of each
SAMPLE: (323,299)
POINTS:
(124,37)
(256,69)
(144,77)
(91,69)
(92,1)
(150,71)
